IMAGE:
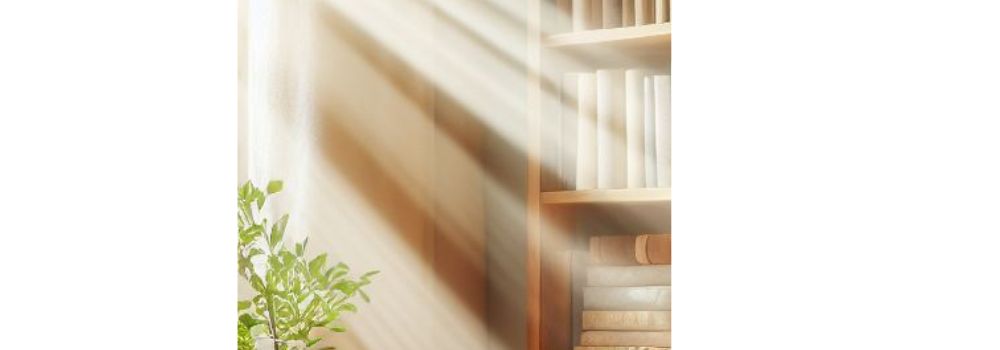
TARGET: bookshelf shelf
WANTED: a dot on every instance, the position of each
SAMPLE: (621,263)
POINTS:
(645,36)
(643,195)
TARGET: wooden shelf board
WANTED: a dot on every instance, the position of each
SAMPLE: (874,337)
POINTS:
(640,36)
(607,196)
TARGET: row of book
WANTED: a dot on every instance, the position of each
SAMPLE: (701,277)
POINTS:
(626,299)
(580,15)
(614,131)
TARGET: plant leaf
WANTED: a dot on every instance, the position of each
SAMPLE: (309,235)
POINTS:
(317,263)
(275,186)
(243,305)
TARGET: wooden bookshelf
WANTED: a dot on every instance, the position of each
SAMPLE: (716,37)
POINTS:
(641,195)
(644,36)
(558,222)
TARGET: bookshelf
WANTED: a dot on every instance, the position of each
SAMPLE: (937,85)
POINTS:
(624,196)
(559,221)
(649,35)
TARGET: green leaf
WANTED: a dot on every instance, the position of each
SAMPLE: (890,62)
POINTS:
(369,274)
(275,186)
(316,264)
(364,296)
(311,342)
(278,230)
(257,194)
(257,283)
(243,305)
(348,307)
(339,329)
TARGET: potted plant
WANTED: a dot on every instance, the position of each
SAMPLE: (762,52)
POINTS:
(294,294)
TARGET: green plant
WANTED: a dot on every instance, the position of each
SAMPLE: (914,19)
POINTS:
(293,294)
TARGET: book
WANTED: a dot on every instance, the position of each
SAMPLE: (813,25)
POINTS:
(620,348)
(644,12)
(581,14)
(632,338)
(626,320)
(634,132)
(612,13)
(643,249)
(568,107)
(596,14)
(611,128)
(652,249)
(564,16)
(649,130)
(661,91)
(628,13)
(586,137)
(647,298)
(662,11)
(628,276)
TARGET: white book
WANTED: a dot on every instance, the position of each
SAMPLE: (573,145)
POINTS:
(662,11)
(586,136)
(568,107)
(661,90)
(581,14)
(649,129)
(564,15)
(634,132)
(611,167)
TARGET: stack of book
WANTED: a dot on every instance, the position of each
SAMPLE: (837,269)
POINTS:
(613,130)
(580,15)
(626,300)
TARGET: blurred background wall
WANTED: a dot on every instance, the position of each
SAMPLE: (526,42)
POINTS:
(395,125)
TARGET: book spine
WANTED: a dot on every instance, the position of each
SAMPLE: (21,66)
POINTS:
(628,13)
(612,13)
(626,320)
(652,249)
(661,91)
(568,143)
(634,133)
(649,130)
(564,16)
(637,338)
(611,128)
(596,14)
(662,11)
(628,276)
(581,15)
(586,162)
(613,250)
(643,12)
(649,298)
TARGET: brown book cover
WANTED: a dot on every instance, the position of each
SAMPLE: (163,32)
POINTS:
(626,320)
(652,249)
(619,338)
(646,249)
